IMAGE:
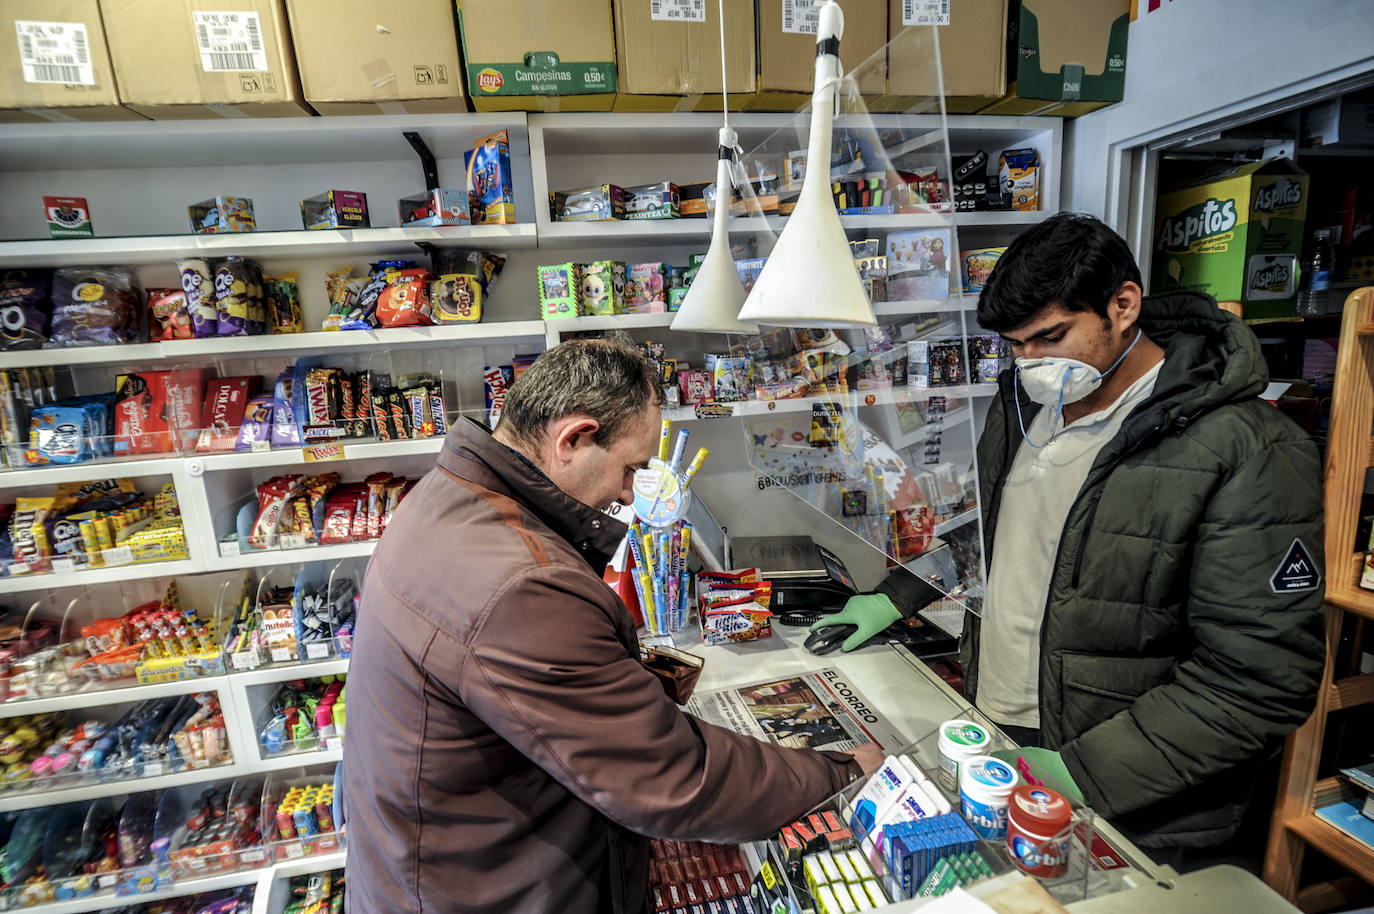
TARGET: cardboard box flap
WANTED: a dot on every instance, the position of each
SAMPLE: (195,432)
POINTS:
(1068,50)
(537,47)
(375,50)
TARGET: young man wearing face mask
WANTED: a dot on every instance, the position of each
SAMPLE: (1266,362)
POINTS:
(1153,538)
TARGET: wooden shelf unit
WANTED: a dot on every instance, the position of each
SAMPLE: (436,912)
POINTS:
(1349,454)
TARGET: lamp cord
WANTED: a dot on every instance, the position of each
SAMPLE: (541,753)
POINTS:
(724,87)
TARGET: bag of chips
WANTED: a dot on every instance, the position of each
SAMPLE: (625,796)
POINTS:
(24,308)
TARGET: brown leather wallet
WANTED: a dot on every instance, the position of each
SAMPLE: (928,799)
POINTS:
(678,671)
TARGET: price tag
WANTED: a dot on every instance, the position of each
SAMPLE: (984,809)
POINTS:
(152,769)
(333,743)
(229,41)
(282,655)
(291,541)
(63,566)
(227,550)
(925,12)
(106,880)
(55,52)
(678,10)
(253,856)
(19,568)
(293,851)
(261,447)
(119,555)
(317,650)
(318,453)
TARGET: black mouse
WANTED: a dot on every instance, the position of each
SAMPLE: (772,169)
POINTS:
(828,638)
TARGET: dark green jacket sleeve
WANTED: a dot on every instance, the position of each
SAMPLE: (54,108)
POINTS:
(1256,655)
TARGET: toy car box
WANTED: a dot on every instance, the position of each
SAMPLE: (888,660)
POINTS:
(335,209)
(595,204)
(438,206)
(490,194)
(222,214)
(653,201)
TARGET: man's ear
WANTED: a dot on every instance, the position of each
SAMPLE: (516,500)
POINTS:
(570,434)
(1124,308)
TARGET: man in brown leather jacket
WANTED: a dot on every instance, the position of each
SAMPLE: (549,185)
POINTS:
(508,749)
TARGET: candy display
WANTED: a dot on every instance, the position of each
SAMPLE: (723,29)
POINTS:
(490,190)
(222,214)
(303,716)
(335,209)
(300,817)
(398,293)
(734,606)
(316,893)
(693,874)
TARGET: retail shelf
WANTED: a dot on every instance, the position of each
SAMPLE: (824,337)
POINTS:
(952,305)
(747,408)
(298,760)
(92,698)
(955,522)
(916,436)
(304,866)
(84,472)
(26,583)
(1354,855)
(129,354)
(611,322)
(11,800)
(288,671)
(269,557)
(291,456)
(1000,219)
(557,235)
(330,242)
(102,901)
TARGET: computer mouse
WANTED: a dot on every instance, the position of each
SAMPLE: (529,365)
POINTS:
(827,639)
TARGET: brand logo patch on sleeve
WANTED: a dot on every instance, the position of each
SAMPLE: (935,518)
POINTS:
(1297,572)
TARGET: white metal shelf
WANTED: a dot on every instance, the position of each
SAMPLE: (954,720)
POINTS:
(10,800)
(286,672)
(610,322)
(264,900)
(952,305)
(102,901)
(955,522)
(852,400)
(291,456)
(270,557)
(26,583)
(297,760)
(93,469)
(128,694)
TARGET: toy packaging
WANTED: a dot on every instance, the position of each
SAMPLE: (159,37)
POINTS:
(596,285)
(645,292)
(653,201)
(435,207)
(335,209)
(595,204)
(68,217)
(749,271)
(918,265)
(1019,177)
(730,376)
(558,290)
(222,214)
(491,197)
(978,266)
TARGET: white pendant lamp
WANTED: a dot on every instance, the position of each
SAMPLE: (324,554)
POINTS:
(713,301)
(809,279)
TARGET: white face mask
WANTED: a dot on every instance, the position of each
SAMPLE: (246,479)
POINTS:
(1056,380)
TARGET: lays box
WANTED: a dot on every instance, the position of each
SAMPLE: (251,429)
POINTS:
(1235,235)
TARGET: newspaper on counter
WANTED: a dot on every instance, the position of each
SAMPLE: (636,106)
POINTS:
(819,710)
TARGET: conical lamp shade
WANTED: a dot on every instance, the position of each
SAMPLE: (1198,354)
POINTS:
(809,279)
(712,303)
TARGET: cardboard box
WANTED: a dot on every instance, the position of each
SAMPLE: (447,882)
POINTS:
(1236,235)
(539,55)
(203,58)
(1064,57)
(371,56)
(787,50)
(973,56)
(56,65)
(671,64)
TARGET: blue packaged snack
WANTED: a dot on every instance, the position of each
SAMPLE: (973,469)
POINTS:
(258,424)
(284,430)
(490,195)
(60,434)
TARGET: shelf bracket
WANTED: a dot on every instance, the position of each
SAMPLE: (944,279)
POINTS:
(427,163)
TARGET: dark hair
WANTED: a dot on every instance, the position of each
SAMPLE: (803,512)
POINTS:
(606,379)
(1070,259)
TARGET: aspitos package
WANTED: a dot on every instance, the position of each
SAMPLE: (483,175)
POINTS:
(1236,235)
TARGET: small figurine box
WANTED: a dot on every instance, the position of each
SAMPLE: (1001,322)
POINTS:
(653,201)
(335,209)
(490,192)
(437,206)
(222,214)
(558,290)
(595,204)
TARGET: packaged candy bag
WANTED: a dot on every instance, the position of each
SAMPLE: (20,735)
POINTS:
(24,308)
(198,282)
(96,306)
(405,300)
(283,302)
(233,287)
(168,316)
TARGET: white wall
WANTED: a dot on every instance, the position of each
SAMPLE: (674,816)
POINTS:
(1193,62)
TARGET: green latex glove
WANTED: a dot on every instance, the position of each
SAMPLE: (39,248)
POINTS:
(1047,765)
(871,612)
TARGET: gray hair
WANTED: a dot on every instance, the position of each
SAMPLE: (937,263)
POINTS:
(606,379)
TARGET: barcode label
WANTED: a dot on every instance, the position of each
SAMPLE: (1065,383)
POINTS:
(54,52)
(678,10)
(801,17)
(230,41)
(925,12)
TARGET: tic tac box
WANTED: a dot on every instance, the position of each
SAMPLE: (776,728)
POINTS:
(54,64)
(670,54)
(178,59)
(972,37)
(539,55)
(1064,57)
(1236,235)
(378,56)
(787,50)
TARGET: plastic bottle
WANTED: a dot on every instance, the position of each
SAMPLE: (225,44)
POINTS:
(1314,289)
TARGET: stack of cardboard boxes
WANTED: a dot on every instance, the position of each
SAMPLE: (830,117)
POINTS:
(122,59)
